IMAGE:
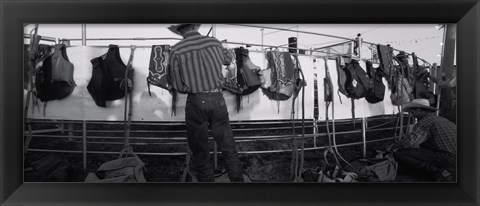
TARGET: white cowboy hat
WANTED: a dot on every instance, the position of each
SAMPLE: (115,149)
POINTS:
(418,103)
(174,28)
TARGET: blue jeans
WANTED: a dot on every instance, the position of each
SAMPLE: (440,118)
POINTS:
(204,111)
(431,161)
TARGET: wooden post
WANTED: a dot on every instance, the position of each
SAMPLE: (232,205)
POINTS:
(448,53)
(447,67)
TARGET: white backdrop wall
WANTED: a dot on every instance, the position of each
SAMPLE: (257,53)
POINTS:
(80,105)
(256,106)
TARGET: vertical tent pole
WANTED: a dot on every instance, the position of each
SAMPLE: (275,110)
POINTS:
(447,63)
(84,127)
(70,131)
(84,34)
(359,42)
(62,127)
(214,30)
(262,37)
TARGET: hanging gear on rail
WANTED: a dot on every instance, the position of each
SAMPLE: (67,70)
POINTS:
(421,82)
(385,55)
(284,76)
(377,92)
(357,83)
(43,51)
(107,77)
(281,80)
(342,77)
(242,76)
(402,92)
(158,72)
(128,167)
(54,80)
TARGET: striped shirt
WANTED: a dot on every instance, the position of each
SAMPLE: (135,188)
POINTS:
(433,132)
(196,63)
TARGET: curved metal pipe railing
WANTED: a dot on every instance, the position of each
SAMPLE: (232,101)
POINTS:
(87,139)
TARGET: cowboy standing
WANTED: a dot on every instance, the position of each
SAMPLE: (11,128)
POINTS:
(431,145)
(196,69)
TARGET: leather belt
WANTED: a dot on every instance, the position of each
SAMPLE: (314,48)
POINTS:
(212,90)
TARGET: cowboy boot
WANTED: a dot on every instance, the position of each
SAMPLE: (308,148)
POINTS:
(440,175)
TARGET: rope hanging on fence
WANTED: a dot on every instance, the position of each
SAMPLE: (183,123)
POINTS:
(32,50)
(333,121)
(328,96)
(127,148)
(296,168)
(399,124)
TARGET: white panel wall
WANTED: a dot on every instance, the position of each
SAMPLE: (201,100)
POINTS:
(256,106)
(80,105)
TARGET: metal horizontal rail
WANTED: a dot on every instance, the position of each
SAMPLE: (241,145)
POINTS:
(272,121)
(124,39)
(179,141)
(133,143)
(297,31)
(171,123)
(44,38)
(149,46)
(233,123)
(182,131)
(314,148)
(332,45)
(237,137)
(184,142)
(398,51)
(184,153)
(39,131)
(103,152)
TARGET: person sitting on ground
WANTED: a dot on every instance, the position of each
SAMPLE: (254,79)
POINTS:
(431,145)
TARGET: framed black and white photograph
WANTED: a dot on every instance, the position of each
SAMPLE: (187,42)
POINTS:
(239,103)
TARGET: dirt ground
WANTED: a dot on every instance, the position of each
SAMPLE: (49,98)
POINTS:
(267,167)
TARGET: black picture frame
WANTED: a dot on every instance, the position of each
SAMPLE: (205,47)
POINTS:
(15,13)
